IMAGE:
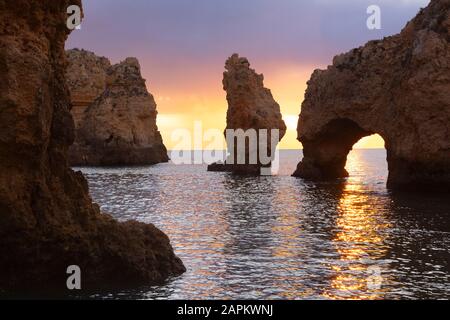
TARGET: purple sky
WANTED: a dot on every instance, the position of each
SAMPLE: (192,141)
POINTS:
(201,30)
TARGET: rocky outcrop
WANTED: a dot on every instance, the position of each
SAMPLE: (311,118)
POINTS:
(86,78)
(399,88)
(114,114)
(250,106)
(47,219)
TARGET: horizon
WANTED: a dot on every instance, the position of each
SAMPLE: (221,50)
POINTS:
(183,66)
(96,206)
(280,149)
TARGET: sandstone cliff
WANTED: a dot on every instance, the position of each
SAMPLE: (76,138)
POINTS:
(86,78)
(250,106)
(47,219)
(115,116)
(399,88)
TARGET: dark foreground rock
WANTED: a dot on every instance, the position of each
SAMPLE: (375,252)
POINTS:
(250,106)
(115,115)
(399,88)
(47,218)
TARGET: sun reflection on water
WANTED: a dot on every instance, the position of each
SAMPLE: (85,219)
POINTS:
(360,240)
(285,238)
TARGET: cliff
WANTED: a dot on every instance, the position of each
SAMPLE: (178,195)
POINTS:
(250,106)
(115,116)
(47,218)
(399,88)
(86,78)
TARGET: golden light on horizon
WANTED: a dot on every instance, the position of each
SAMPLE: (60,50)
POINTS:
(291,122)
(374,141)
(168,123)
(204,101)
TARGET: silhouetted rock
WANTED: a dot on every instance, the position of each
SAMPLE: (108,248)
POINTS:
(115,116)
(399,88)
(250,106)
(47,218)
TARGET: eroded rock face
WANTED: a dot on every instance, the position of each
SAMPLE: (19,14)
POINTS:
(250,106)
(86,77)
(115,116)
(399,88)
(47,218)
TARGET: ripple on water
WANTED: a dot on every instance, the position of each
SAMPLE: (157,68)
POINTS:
(280,237)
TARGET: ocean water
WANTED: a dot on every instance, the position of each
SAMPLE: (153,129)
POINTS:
(279,237)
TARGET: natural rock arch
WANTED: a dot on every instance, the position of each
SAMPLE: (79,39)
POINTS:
(399,88)
(325,156)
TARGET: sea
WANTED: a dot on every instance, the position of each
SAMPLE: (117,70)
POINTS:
(280,237)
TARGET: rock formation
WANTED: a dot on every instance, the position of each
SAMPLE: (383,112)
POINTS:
(115,116)
(86,78)
(47,219)
(399,88)
(250,106)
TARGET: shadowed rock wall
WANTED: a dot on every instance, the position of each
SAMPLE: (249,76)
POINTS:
(47,218)
(398,87)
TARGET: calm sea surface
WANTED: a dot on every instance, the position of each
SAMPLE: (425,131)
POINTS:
(280,237)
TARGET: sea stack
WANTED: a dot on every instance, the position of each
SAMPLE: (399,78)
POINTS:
(47,219)
(399,88)
(115,115)
(251,106)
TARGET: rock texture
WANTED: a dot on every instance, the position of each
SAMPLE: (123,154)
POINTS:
(250,106)
(114,114)
(399,88)
(47,219)
(86,78)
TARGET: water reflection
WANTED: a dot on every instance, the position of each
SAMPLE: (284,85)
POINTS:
(360,241)
(280,237)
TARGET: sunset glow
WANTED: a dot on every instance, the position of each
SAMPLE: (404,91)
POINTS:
(182,47)
(225,159)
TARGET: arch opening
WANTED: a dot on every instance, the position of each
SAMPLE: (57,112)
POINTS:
(325,154)
(368,159)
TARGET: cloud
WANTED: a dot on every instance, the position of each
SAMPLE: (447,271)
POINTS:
(182,44)
(204,30)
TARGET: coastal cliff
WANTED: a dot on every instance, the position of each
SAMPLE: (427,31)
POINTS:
(86,79)
(115,115)
(250,106)
(47,219)
(399,88)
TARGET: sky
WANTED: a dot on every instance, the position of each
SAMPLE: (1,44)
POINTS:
(182,46)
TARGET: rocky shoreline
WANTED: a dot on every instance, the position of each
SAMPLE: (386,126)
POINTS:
(398,87)
(48,220)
